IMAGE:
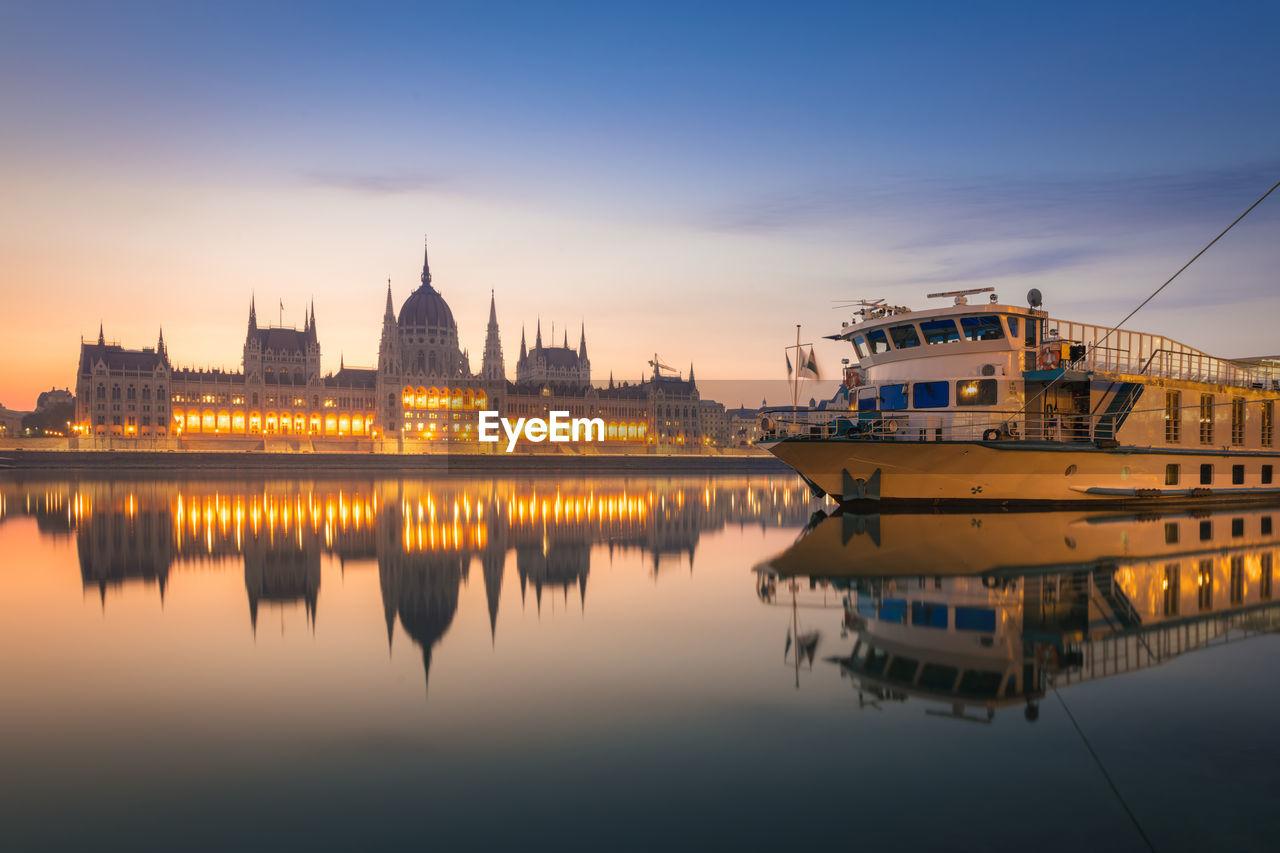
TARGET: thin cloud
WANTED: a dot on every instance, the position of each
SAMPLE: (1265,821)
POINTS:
(371,183)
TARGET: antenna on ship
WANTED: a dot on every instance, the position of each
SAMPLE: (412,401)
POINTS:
(961,296)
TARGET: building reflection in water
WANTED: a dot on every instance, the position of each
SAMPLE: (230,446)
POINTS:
(423,535)
(976,612)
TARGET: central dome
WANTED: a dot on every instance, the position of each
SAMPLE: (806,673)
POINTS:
(425,306)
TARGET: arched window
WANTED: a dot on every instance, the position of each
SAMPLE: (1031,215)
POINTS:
(432,367)
(420,362)
(115,392)
(102,392)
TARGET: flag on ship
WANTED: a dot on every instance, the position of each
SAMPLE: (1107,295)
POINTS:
(808,366)
(788,365)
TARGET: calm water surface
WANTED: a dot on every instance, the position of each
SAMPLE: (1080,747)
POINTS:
(624,663)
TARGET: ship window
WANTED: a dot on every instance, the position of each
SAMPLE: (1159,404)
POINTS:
(1171,474)
(878,341)
(1013,327)
(894,610)
(940,332)
(1237,474)
(984,327)
(1204,585)
(1268,425)
(980,682)
(929,395)
(976,392)
(1206,419)
(1030,339)
(1206,475)
(893,397)
(860,346)
(867,403)
(929,614)
(1266,475)
(1173,416)
(935,676)
(903,670)
(876,659)
(904,337)
(1237,420)
(975,619)
(1172,591)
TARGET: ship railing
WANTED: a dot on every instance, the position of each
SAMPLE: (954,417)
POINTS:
(986,425)
(1144,354)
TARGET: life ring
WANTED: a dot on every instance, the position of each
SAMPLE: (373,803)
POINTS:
(991,435)
(1049,356)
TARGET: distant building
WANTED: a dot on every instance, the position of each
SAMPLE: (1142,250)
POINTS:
(422,392)
(53,397)
(10,422)
(744,426)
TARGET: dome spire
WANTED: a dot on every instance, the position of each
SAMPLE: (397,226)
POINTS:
(390,313)
(426,265)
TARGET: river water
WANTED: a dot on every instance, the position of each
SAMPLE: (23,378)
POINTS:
(250,663)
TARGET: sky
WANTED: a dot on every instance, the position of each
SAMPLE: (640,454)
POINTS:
(687,179)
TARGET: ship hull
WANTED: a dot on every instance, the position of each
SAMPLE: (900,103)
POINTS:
(1024,472)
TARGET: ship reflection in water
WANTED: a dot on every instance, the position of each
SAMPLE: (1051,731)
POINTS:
(971,613)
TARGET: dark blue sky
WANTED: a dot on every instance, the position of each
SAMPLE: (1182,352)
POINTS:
(590,159)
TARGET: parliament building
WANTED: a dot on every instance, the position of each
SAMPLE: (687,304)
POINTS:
(422,396)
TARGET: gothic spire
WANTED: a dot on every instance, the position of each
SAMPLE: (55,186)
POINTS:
(523,351)
(537,344)
(493,312)
(582,342)
(691,373)
(566,339)
(253,313)
(312,321)
(102,339)
(426,265)
(390,313)
(160,345)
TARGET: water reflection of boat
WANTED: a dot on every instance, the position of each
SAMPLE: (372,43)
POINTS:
(982,611)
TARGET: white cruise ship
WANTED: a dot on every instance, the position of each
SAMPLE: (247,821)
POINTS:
(1000,403)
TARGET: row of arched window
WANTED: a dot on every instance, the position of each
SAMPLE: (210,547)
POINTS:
(272,423)
(443,398)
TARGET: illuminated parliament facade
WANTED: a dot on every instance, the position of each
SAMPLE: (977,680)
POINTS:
(423,394)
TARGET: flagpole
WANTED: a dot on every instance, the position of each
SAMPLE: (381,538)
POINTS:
(795,381)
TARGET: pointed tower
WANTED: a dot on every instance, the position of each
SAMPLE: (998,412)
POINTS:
(160,347)
(566,339)
(492,367)
(253,314)
(523,351)
(426,265)
(102,338)
(691,382)
(537,342)
(582,342)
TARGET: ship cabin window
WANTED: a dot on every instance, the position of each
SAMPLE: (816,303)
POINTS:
(903,670)
(904,337)
(1206,419)
(936,676)
(894,610)
(877,341)
(1237,420)
(1013,327)
(1237,475)
(976,392)
(977,682)
(860,346)
(876,659)
(975,619)
(893,397)
(929,614)
(929,395)
(1206,475)
(983,327)
(1266,475)
(940,332)
(867,400)
(1204,585)
(1172,473)
(1030,339)
(1268,423)
(1173,416)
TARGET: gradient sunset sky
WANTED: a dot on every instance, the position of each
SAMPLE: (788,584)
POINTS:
(688,178)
